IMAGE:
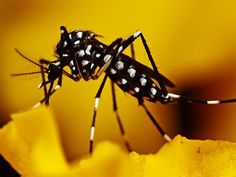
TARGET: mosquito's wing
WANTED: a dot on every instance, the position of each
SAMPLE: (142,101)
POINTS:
(148,71)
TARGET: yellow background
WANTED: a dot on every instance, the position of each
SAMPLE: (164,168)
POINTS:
(193,43)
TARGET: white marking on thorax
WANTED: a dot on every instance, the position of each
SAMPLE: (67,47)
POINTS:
(98,55)
(70,36)
(91,65)
(79,34)
(153,91)
(71,63)
(143,81)
(81,53)
(136,89)
(132,72)
(57,63)
(112,71)
(77,42)
(123,81)
(65,44)
(107,58)
(87,50)
(119,65)
(84,62)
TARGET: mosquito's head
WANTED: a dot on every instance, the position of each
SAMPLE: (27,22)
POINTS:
(54,70)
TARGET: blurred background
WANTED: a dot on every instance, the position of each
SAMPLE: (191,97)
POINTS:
(192,42)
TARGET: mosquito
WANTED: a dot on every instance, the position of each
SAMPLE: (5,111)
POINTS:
(88,58)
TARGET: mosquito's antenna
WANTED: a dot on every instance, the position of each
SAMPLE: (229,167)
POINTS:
(28,73)
(25,57)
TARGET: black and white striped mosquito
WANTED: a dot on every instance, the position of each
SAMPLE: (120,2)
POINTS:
(88,58)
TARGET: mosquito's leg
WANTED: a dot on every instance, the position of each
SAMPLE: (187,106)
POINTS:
(46,62)
(43,81)
(113,44)
(50,90)
(162,85)
(49,93)
(155,123)
(141,102)
(171,97)
(43,100)
(132,50)
(106,57)
(55,89)
(97,97)
(121,127)
(129,41)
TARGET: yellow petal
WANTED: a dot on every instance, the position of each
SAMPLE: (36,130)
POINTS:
(31,144)
(108,160)
(185,158)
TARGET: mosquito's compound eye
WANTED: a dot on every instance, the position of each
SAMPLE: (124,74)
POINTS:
(54,66)
(54,70)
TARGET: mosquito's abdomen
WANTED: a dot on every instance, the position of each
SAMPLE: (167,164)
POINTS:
(133,80)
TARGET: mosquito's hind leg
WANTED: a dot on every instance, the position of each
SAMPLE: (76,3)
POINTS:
(121,127)
(155,123)
(171,97)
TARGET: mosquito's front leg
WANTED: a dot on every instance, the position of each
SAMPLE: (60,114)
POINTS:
(155,123)
(59,83)
(97,98)
(107,57)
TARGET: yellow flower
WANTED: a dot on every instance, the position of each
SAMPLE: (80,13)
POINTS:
(192,42)
(31,144)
